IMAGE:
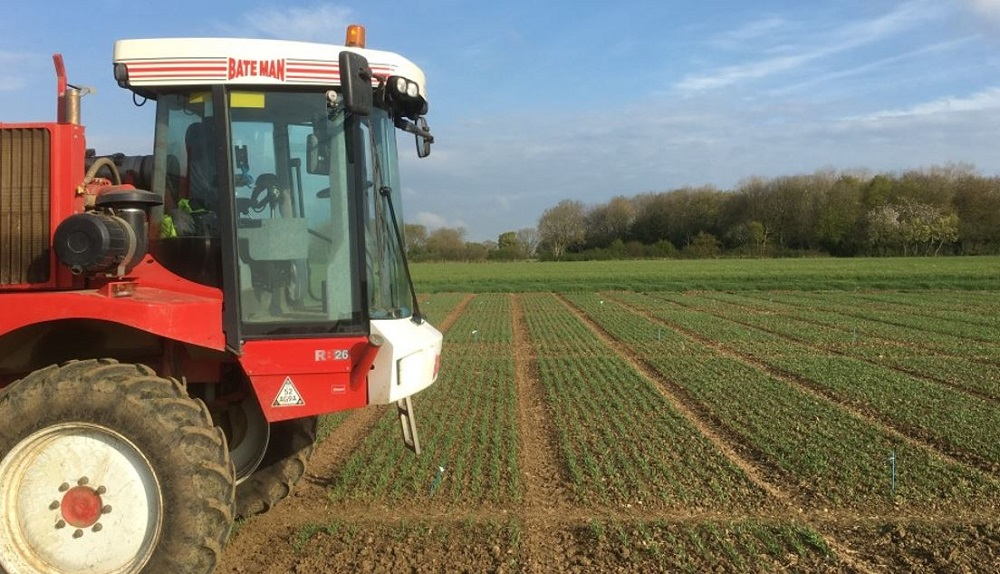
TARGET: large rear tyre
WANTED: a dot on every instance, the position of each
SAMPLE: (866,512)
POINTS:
(288,450)
(108,468)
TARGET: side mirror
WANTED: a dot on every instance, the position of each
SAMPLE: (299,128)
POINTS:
(356,83)
(317,158)
(423,137)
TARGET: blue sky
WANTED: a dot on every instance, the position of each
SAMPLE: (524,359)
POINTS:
(534,102)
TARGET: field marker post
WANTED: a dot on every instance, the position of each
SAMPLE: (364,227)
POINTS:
(892,479)
(437,481)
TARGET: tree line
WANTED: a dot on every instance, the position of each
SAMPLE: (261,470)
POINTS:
(940,210)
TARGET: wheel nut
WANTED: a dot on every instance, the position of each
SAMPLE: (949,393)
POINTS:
(61,524)
(83,481)
(106,509)
(54,505)
(97,527)
(78,533)
(64,487)
(101,490)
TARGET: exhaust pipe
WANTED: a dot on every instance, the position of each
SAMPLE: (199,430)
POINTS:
(68,97)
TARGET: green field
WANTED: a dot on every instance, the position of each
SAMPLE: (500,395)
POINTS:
(662,416)
(809,274)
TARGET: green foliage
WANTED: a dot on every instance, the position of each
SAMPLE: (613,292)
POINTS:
(703,246)
(835,458)
(509,248)
(943,210)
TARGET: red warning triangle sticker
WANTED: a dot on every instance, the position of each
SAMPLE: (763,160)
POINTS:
(288,395)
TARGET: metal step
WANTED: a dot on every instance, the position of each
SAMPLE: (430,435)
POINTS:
(408,424)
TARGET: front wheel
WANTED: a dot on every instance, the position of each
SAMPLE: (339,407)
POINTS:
(108,468)
(288,452)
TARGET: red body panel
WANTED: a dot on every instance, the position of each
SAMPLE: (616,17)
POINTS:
(174,315)
(303,377)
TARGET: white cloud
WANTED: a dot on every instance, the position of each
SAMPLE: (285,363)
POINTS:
(812,46)
(867,67)
(434,221)
(323,22)
(729,75)
(757,29)
(983,100)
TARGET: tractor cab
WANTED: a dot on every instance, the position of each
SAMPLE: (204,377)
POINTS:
(277,168)
(278,187)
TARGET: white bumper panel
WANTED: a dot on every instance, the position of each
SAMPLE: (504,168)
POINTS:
(408,361)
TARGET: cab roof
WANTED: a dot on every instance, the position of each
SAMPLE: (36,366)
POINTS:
(163,62)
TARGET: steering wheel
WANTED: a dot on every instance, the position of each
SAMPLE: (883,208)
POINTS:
(265,192)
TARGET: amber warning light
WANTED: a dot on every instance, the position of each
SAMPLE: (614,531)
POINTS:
(355,36)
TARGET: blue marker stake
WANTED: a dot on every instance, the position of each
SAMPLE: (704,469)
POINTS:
(437,481)
(892,465)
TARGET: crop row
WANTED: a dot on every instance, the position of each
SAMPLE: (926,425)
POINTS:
(745,546)
(438,306)
(963,307)
(623,444)
(984,335)
(823,451)
(856,324)
(467,422)
(937,413)
(902,348)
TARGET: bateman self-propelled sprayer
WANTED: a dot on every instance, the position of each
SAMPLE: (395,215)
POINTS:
(173,324)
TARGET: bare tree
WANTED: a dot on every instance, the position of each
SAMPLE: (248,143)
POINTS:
(528,238)
(562,226)
(416,238)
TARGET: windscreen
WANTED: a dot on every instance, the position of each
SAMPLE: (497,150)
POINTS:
(388,290)
(293,229)
(296,196)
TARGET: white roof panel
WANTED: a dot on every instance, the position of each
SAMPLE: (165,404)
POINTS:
(244,61)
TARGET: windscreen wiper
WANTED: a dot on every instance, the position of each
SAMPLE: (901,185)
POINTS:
(386,192)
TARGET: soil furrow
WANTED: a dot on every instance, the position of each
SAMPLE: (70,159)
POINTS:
(545,497)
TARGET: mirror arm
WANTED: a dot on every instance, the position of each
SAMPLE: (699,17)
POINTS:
(411,127)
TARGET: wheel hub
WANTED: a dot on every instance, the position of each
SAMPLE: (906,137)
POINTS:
(69,526)
(81,506)
(248,433)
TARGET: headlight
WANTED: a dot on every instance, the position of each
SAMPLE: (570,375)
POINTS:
(400,84)
(403,87)
(404,96)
